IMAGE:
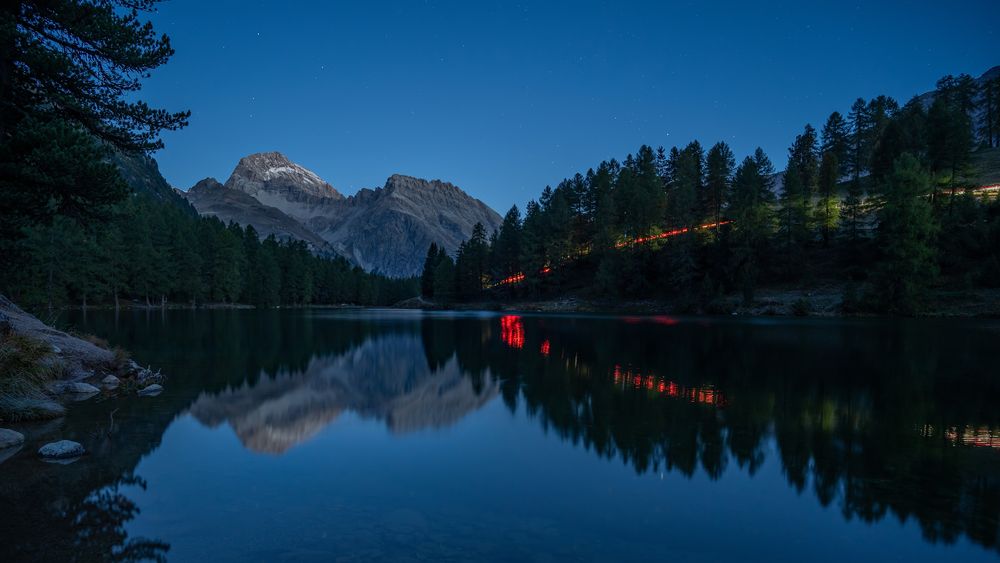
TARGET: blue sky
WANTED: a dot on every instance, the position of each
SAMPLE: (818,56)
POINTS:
(502,98)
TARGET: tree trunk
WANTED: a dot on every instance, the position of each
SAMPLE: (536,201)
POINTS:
(116,298)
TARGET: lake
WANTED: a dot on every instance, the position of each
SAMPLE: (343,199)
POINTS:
(358,435)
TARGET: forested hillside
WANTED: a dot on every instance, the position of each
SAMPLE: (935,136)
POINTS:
(154,249)
(885,202)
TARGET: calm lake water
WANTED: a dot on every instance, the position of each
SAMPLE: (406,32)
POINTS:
(395,435)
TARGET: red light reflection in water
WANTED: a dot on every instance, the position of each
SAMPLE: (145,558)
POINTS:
(977,436)
(546,347)
(512,331)
(706,395)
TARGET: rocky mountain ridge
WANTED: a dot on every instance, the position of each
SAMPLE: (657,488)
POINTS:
(211,198)
(386,229)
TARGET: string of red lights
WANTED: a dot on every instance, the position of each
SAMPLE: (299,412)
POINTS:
(519,277)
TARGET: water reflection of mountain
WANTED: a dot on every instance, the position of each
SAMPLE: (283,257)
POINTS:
(386,378)
(874,418)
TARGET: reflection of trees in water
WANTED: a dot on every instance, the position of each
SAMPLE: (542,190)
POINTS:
(49,526)
(98,527)
(844,404)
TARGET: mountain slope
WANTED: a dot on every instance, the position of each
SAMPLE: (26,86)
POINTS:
(142,174)
(389,229)
(386,230)
(211,198)
(273,180)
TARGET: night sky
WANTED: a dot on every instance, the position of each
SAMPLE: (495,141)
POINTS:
(503,98)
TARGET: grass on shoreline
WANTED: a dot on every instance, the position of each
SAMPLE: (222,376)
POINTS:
(25,367)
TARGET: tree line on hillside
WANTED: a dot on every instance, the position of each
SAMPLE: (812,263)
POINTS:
(876,201)
(73,231)
(156,252)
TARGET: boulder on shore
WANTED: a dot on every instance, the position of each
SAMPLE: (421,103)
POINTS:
(63,449)
(10,438)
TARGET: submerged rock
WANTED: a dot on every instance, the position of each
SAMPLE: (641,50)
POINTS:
(9,438)
(151,391)
(63,449)
(111,381)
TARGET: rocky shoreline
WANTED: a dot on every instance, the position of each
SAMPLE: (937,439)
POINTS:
(43,369)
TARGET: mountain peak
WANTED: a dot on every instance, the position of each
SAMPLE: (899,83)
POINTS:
(265,167)
(205,185)
(276,181)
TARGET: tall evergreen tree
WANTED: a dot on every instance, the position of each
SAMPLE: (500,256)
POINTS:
(751,208)
(906,232)
(800,183)
(427,275)
(859,124)
(472,263)
(836,139)
(827,212)
(444,280)
(508,247)
(949,131)
(533,252)
(69,70)
(719,165)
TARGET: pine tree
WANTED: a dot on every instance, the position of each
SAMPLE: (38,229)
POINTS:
(949,140)
(508,247)
(427,274)
(836,139)
(852,210)
(827,216)
(69,71)
(751,209)
(472,263)
(444,280)
(719,165)
(800,183)
(271,282)
(186,261)
(686,207)
(905,239)
(685,203)
(533,252)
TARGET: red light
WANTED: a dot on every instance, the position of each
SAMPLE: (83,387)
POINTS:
(546,346)
(512,331)
(668,234)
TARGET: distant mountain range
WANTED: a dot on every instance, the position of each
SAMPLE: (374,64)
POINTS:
(384,230)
